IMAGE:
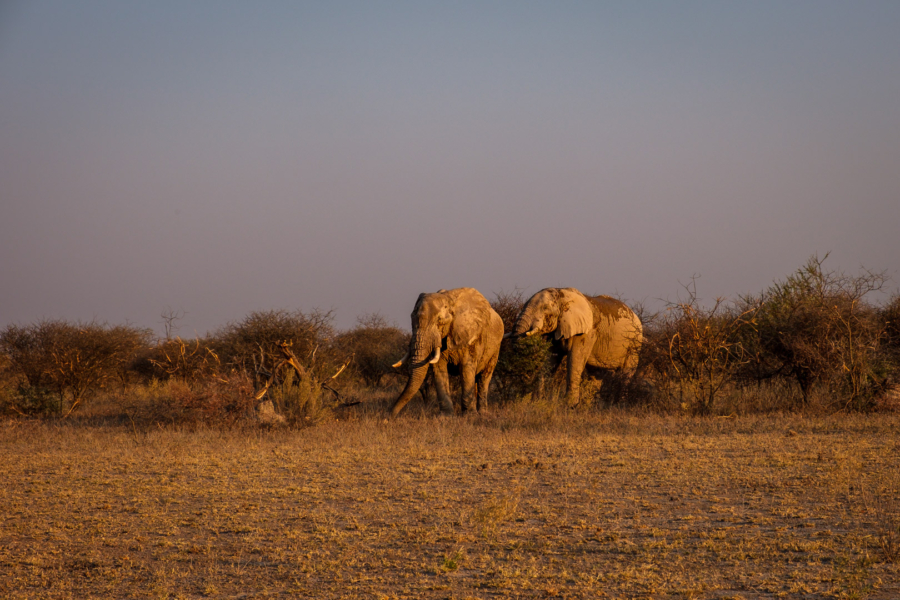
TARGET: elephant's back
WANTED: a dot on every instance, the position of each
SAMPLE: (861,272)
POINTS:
(611,308)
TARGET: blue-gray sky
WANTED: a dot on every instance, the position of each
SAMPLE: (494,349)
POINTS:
(220,157)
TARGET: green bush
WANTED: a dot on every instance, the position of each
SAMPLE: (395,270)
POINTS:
(818,329)
(524,364)
(523,367)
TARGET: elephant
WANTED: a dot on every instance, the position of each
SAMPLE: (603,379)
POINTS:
(594,331)
(456,327)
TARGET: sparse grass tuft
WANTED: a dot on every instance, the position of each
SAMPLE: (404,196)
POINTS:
(452,561)
(495,512)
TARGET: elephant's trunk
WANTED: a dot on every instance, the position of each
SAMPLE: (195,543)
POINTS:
(526,325)
(412,386)
(423,345)
(537,317)
(425,350)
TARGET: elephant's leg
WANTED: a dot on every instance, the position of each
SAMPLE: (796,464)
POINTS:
(577,359)
(467,371)
(442,387)
(484,384)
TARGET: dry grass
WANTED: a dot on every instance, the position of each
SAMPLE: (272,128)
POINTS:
(528,502)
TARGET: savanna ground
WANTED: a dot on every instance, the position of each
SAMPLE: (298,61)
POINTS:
(528,501)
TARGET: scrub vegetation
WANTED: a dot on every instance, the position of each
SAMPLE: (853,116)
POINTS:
(755,454)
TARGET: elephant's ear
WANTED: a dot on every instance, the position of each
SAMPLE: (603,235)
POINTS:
(471,316)
(575,314)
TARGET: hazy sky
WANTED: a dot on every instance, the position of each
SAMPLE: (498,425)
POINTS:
(223,157)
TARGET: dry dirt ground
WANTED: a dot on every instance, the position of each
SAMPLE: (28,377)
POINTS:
(525,504)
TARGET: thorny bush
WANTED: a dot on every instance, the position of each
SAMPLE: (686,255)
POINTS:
(217,399)
(58,363)
(693,353)
(818,329)
(375,345)
(192,362)
(243,345)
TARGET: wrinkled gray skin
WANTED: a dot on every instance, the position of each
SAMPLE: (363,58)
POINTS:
(456,327)
(590,331)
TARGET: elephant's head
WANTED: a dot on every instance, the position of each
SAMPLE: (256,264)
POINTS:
(431,319)
(564,312)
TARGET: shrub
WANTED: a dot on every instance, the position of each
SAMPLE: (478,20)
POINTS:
(693,353)
(299,400)
(508,305)
(817,328)
(890,322)
(524,363)
(255,340)
(523,367)
(192,362)
(11,400)
(69,360)
(214,400)
(375,345)
(283,356)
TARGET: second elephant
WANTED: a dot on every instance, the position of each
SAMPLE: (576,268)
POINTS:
(589,331)
(456,327)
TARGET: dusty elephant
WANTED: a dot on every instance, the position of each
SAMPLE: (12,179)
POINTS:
(456,327)
(592,331)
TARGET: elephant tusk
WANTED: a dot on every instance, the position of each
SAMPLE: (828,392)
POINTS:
(400,362)
(506,336)
(532,332)
(436,357)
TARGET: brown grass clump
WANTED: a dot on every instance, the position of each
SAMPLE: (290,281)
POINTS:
(221,401)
